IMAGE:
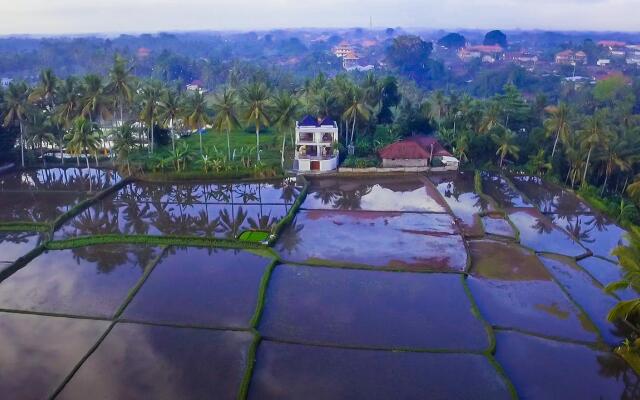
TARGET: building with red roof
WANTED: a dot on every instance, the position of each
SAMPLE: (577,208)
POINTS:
(415,151)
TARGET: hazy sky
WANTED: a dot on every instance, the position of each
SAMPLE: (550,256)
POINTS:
(82,16)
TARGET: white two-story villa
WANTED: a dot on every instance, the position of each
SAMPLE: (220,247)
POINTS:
(316,145)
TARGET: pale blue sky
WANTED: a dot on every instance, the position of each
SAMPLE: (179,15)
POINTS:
(82,16)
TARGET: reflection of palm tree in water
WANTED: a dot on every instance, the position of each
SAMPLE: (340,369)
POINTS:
(206,227)
(326,195)
(263,222)
(247,192)
(100,220)
(542,225)
(136,217)
(612,366)
(290,238)
(351,199)
(575,227)
(230,223)
(105,257)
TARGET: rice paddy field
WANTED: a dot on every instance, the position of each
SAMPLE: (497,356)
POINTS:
(403,287)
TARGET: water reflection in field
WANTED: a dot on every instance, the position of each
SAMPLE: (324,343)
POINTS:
(458,191)
(400,193)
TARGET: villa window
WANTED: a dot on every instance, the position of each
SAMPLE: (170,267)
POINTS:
(306,136)
(327,137)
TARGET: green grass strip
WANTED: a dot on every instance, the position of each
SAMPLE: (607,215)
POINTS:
(476,312)
(80,207)
(293,211)
(315,262)
(21,262)
(254,236)
(132,292)
(503,374)
(243,392)
(262,294)
(24,227)
(183,241)
(82,361)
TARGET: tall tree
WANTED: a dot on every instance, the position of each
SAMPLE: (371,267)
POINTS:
(592,135)
(558,124)
(95,102)
(45,90)
(16,105)
(120,84)
(286,110)
(357,109)
(170,107)
(83,138)
(505,140)
(151,95)
(196,116)
(226,117)
(256,97)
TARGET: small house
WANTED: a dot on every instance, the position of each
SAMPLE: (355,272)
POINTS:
(315,145)
(417,151)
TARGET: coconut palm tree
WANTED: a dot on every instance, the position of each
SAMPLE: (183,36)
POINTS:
(95,101)
(196,116)
(357,109)
(286,109)
(151,95)
(629,260)
(593,135)
(124,143)
(490,118)
(255,97)
(41,131)
(67,108)
(120,84)
(170,108)
(83,138)
(558,124)
(506,144)
(45,91)
(226,117)
(16,101)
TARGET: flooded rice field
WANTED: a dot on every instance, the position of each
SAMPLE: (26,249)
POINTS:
(381,287)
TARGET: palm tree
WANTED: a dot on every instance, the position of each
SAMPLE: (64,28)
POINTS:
(357,109)
(151,97)
(41,133)
(226,118)
(286,108)
(67,109)
(170,109)
(95,100)
(506,144)
(83,138)
(45,91)
(619,153)
(124,143)
(16,101)
(558,124)
(629,260)
(592,136)
(255,97)
(120,84)
(196,114)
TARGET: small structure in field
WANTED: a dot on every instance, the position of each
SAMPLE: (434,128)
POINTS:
(417,151)
(315,145)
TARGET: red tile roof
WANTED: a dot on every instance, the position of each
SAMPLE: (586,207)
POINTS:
(415,147)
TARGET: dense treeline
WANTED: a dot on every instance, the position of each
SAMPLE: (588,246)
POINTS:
(588,138)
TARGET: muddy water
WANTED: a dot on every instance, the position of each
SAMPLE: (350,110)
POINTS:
(399,193)
(342,302)
(288,371)
(546,369)
(496,225)
(203,287)
(88,281)
(539,233)
(549,198)
(458,191)
(514,290)
(380,240)
(37,352)
(157,362)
